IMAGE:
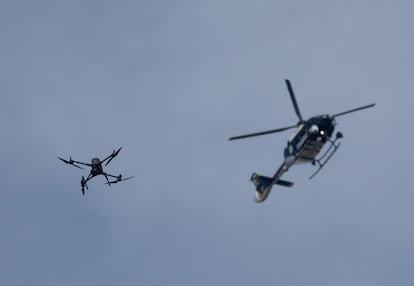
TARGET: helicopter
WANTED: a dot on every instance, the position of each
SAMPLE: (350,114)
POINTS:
(96,169)
(303,146)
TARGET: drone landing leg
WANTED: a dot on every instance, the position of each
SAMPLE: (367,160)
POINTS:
(84,183)
(106,177)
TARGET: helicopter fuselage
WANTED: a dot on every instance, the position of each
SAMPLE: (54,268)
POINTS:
(308,139)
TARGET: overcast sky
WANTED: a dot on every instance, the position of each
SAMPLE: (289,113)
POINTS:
(171,81)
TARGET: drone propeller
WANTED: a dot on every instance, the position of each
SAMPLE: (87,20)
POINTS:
(128,178)
(295,104)
(353,110)
(262,133)
(113,155)
(66,161)
(70,162)
(119,180)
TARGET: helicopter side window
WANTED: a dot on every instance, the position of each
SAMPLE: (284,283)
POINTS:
(295,133)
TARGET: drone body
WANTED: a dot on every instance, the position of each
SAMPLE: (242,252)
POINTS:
(303,146)
(96,169)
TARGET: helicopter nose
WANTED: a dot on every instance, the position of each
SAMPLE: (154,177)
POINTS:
(314,129)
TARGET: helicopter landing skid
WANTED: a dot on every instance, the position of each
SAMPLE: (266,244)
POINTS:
(327,155)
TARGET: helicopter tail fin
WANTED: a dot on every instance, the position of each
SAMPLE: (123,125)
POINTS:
(262,182)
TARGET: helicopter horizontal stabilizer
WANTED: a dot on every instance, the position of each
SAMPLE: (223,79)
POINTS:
(284,183)
(262,182)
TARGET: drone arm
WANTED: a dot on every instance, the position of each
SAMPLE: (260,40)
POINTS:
(109,157)
(112,176)
(118,179)
(85,164)
(73,163)
(88,178)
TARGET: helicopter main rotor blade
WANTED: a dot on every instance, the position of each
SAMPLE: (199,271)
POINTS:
(262,133)
(292,96)
(353,110)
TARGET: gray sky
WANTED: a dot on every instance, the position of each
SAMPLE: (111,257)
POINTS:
(170,81)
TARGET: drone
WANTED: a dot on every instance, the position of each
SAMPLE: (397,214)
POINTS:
(96,169)
(303,146)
